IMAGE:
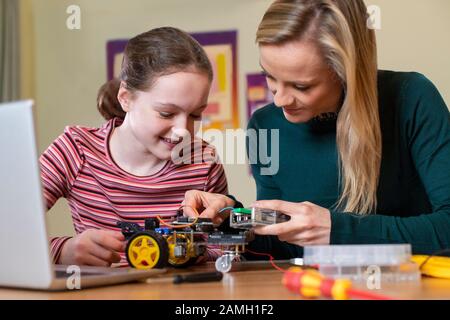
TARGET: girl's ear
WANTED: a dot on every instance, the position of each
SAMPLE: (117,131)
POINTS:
(124,96)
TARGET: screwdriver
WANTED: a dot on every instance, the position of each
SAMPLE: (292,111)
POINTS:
(311,284)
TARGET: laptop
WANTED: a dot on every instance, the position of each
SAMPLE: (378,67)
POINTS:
(24,245)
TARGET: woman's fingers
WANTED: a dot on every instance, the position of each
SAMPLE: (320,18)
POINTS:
(309,223)
(276,229)
(285,207)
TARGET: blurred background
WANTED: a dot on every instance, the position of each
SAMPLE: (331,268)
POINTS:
(62,69)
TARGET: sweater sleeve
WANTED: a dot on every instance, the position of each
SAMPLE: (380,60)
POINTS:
(426,128)
(59,165)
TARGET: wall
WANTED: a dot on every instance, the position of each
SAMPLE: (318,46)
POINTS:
(69,66)
(27,45)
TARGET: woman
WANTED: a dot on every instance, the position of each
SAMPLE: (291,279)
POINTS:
(364,154)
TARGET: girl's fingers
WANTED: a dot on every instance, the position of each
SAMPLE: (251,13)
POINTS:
(91,260)
(192,200)
(106,255)
(109,241)
(188,211)
(117,234)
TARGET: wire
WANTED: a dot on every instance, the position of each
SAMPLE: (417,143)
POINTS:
(271,259)
(180,226)
(437,253)
(225,209)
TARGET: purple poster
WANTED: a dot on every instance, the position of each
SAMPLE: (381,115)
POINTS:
(258,94)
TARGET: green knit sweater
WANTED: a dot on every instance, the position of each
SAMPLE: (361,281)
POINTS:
(414,186)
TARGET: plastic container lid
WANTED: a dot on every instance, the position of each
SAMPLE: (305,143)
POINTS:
(357,255)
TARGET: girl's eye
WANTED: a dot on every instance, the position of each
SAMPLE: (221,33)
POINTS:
(165,115)
(196,116)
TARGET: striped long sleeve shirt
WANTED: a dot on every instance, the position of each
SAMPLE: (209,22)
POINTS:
(78,166)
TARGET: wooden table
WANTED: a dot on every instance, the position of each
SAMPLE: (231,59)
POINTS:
(255,281)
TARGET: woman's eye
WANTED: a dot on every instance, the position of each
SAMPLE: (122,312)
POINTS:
(165,115)
(301,88)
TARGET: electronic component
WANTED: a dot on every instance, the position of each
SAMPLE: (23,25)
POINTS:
(221,238)
(248,218)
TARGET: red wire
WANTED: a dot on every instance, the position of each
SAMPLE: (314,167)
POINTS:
(270,259)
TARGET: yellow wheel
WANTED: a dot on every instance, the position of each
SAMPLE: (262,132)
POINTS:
(188,259)
(147,250)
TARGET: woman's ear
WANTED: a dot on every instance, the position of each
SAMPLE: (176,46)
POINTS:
(124,96)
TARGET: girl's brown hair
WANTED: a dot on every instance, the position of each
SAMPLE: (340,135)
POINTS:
(339,29)
(152,54)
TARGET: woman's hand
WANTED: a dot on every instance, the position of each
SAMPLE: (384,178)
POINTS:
(207,204)
(309,223)
(93,248)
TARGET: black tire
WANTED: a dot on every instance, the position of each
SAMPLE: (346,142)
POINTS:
(162,244)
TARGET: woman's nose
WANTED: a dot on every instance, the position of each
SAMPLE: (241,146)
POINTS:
(282,98)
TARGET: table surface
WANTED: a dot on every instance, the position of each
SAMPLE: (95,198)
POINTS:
(256,281)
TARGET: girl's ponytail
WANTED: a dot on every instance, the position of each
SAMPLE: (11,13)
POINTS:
(107,103)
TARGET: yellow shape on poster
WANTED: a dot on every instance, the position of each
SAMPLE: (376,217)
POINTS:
(222,72)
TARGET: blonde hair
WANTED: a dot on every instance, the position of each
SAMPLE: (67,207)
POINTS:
(339,29)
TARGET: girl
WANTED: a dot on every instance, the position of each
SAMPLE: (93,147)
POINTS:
(124,170)
(365,153)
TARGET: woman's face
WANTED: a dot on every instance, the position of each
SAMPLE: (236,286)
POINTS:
(161,117)
(304,86)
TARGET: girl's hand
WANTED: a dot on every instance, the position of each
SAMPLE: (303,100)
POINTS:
(309,223)
(93,248)
(207,204)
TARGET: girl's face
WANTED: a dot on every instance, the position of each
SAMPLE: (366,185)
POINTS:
(159,118)
(304,86)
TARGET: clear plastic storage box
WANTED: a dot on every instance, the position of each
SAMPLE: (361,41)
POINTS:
(391,263)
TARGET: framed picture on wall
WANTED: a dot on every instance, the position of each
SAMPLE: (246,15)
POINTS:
(114,53)
(258,93)
(223,110)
